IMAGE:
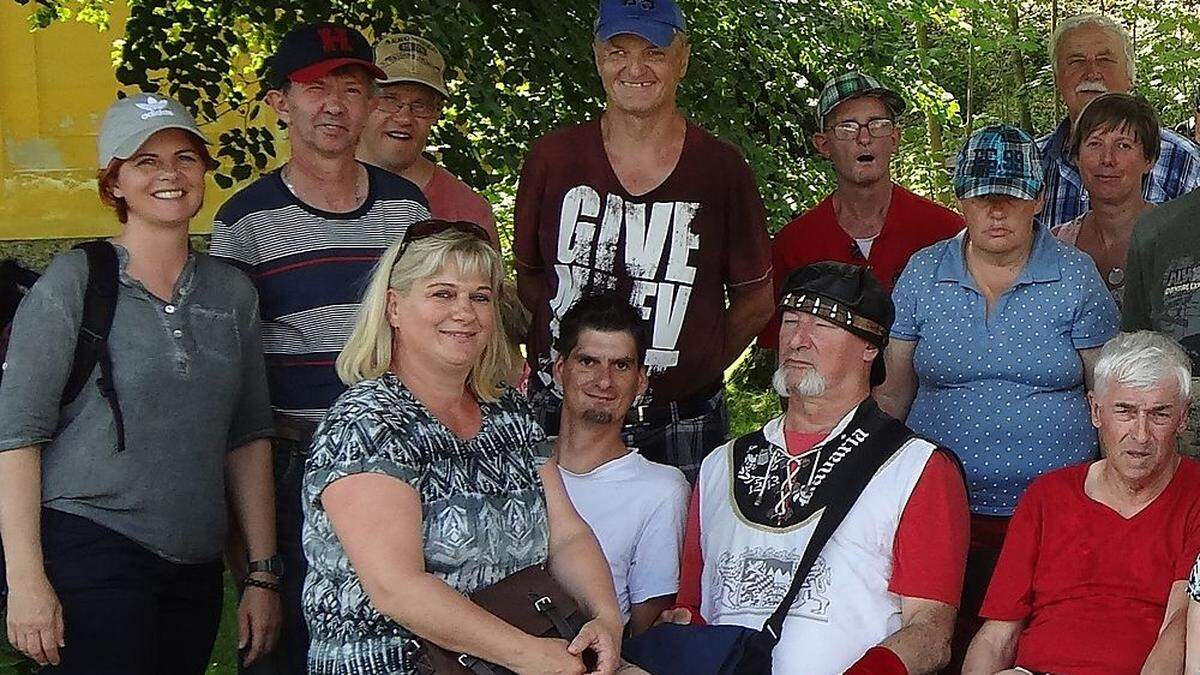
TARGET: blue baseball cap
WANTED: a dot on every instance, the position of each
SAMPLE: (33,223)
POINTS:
(655,20)
(998,160)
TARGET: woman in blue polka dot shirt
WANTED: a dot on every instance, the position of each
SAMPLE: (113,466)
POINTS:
(996,331)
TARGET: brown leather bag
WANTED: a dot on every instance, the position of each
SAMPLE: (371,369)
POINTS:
(530,600)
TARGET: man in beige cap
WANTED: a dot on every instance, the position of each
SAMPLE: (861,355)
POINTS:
(409,104)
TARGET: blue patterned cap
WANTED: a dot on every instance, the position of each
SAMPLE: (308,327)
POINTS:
(998,160)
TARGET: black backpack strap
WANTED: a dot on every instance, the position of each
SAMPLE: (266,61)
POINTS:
(91,346)
(892,436)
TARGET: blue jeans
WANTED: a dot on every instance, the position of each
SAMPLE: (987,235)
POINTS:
(127,611)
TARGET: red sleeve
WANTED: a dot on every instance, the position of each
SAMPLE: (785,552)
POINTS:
(1010,593)
(692,562)
(768,338)
(527,254)
(1191,537)
(746,258)
(929,554)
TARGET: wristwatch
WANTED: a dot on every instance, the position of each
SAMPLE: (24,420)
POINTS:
(272,565)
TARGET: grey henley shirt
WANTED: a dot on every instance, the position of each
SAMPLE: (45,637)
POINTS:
(191,382)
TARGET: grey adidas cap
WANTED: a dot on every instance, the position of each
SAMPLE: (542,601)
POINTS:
(132,120)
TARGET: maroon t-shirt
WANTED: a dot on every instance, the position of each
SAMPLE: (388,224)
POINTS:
(673,250)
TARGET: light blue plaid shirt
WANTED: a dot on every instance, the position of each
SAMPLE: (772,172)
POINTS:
(1176,173)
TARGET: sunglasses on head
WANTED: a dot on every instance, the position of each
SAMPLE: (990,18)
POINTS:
(427,228)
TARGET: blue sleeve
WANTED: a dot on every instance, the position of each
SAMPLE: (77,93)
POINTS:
(904,297)
(1096,316)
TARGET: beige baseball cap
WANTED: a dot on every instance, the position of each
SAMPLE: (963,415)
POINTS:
(409,58)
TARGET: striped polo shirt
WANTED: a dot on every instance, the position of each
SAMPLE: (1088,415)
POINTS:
(311,268)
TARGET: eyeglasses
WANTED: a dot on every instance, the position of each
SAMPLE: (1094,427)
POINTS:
(424,229)
(392,105)
(848,130)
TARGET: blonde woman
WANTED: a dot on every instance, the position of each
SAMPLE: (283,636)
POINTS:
(426,481)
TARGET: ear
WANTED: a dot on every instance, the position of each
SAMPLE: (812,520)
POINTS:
(1094,409)
(557,368)
(687,57)
(870,353)
(643,381)
(393,307)
(279,103)
(820,141)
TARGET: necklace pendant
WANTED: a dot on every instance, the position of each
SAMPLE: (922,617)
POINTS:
(1116,276)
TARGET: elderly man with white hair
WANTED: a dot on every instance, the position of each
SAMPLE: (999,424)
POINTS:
(1093,575)
(1092,54)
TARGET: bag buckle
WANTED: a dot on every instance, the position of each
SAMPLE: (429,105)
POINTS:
(543,604)
(463,660)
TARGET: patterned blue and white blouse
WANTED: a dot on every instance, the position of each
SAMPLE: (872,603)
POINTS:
(483,512)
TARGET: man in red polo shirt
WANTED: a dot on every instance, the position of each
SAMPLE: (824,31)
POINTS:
(867,220)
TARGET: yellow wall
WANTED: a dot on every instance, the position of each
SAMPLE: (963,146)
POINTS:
(55,85)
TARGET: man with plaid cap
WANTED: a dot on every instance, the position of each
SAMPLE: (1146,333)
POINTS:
(882,595)
(308,235)
(1092,54)
(868,219)
(643,202)
(992,349)
(412,93)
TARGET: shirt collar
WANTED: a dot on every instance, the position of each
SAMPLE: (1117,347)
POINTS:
(1042,265)
(773,430)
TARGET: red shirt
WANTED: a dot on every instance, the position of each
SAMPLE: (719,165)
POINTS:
(911,224)
(929,550)
(673,251)
(1091,585)
(451,199)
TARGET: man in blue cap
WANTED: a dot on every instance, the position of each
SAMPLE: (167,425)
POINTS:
(643,202)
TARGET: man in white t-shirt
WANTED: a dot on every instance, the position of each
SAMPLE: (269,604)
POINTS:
(636,507)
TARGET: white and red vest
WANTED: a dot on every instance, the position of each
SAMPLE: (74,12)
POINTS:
(844,607)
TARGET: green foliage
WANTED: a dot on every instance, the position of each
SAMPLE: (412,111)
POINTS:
(523,67)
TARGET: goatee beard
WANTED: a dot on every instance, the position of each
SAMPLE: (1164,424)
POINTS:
(810,385)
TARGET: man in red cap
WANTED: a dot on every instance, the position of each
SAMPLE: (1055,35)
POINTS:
(308,235)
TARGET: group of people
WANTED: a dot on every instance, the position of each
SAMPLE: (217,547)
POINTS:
(329,403)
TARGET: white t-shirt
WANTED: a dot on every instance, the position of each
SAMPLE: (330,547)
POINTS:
(865,243)
(638,510)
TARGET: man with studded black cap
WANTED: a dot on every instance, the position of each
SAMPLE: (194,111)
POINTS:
(883,592)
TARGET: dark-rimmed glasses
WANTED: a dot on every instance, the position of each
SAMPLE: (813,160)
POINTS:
(848,130)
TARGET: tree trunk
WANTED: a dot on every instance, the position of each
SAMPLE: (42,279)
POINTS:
(932,123)
(1019,70)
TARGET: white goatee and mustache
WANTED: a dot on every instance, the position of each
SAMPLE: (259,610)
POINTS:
(810,385)
(1091,87)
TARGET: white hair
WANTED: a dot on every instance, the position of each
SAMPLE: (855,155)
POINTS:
(1100,21)
(1143,360)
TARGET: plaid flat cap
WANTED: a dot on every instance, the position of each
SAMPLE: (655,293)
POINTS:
(998,160)
(853,85)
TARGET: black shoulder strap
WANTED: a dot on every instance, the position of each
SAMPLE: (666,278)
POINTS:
(91,346)
(891,437)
